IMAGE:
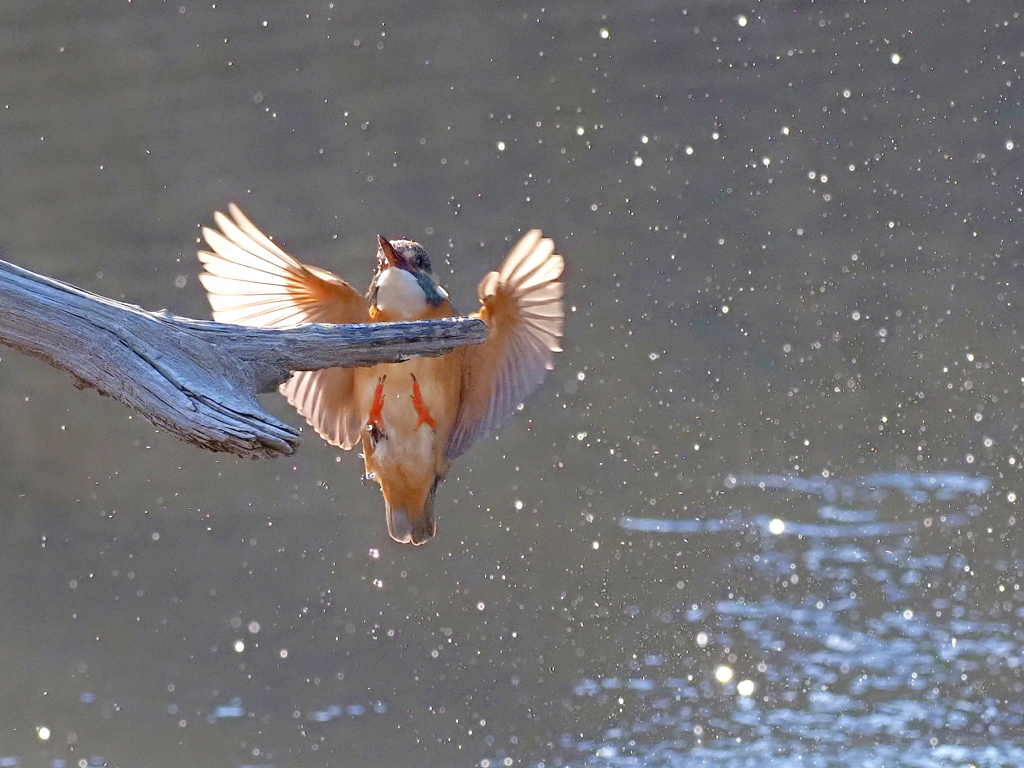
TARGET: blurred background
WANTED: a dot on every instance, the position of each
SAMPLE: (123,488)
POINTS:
(765,508)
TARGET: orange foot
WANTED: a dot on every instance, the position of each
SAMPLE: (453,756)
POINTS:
(375,424)
(421,407)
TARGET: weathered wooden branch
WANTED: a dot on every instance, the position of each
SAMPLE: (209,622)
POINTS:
(194,378)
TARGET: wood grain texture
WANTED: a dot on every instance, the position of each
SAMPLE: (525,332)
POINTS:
(198,379)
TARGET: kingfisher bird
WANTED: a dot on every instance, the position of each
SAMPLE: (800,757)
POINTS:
(415,417)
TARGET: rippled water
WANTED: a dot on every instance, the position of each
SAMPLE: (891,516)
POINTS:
(870,648)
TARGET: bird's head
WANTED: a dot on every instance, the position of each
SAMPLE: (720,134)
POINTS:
(411,521)
(404,287)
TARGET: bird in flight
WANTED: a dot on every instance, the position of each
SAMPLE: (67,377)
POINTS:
(415,417)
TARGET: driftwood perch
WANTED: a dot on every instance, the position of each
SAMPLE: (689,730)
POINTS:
(195,378)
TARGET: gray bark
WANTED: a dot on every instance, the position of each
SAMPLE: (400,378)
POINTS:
(198,379)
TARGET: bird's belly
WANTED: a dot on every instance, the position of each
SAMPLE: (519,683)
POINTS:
(420,402)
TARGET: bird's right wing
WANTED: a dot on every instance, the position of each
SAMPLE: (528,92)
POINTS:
(249,280)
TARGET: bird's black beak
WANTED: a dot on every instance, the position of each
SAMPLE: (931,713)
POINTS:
(394,258)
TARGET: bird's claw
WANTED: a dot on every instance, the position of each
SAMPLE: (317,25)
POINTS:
(421,406)
(375,423)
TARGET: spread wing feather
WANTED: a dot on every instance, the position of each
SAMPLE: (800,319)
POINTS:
(250,280)
(522,306)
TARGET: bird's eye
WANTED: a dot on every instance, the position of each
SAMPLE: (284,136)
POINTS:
(421,262)
(376,434)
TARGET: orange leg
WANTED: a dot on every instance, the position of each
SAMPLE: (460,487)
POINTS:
(421,407)
(376,420)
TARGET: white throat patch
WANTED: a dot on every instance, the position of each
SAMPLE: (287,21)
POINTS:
(399,294)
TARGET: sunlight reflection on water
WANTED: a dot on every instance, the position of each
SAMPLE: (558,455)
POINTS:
(868,648)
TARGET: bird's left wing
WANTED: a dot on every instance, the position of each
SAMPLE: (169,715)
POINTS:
(522,306)
(250,280)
